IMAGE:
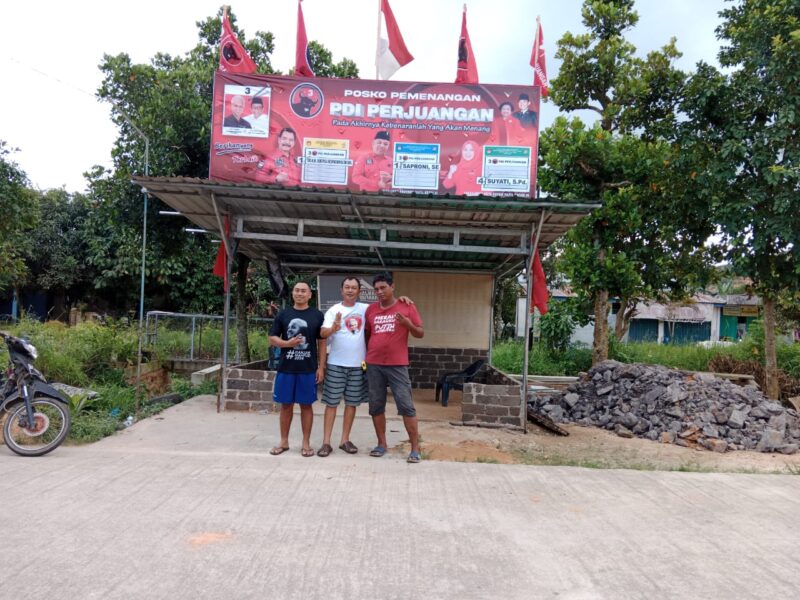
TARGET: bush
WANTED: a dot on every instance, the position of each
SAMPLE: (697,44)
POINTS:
(509,356)
(90,427)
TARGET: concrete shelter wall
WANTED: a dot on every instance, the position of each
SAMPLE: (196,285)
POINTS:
(455,308)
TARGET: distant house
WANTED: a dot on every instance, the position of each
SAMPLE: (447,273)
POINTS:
(704,318)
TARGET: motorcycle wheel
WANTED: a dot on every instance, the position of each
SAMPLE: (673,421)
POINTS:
(50,427)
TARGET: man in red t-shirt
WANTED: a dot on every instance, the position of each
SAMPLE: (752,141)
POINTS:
(387,325)
(280,166)
(372,172)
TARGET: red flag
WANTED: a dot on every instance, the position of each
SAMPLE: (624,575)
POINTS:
(233,58)
(467,71)
(221,264)
(539,295)
(538,62)
(302,65)
(392,52)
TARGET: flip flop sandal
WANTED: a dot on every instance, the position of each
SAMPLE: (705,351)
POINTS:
(325,450)
(278,450)
(349,447)
(377,451)
(307,452)
(413,458)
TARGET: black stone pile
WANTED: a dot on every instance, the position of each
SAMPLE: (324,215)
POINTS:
(671,406)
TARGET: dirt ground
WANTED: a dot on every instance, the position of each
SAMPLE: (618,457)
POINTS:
(586,447)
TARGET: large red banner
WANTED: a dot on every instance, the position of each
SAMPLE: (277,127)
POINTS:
(375,136)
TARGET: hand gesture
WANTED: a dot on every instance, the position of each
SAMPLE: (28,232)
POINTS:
(337,322)
(295,341)
(453,169)
(402,320)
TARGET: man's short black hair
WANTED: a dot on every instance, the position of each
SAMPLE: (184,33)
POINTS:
(524,97)
(258,101)
(385,276)
(304,282)
(354,278)
(287,130)
(382,135)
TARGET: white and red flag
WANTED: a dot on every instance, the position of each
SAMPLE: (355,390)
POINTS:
(539,293)
(538,61)
(392,52)
(302,64)
(467,71)
(233,58)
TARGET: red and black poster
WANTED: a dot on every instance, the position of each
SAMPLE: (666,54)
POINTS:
(375,136)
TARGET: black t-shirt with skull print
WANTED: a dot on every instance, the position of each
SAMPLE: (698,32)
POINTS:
(306,323)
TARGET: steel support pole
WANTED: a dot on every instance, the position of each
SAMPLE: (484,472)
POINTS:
(529,287)
(226,316)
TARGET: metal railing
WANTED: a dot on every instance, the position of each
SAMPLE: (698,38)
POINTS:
(182,334)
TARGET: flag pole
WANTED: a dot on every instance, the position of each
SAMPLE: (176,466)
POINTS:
(378,41)
(529,290)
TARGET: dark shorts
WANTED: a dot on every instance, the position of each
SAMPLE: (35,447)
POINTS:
(295,388)
(396,378)
(350,382)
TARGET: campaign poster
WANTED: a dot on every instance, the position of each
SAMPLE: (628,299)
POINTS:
(375,136)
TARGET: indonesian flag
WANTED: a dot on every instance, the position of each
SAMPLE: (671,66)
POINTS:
(302,65)
(467,71)
(233,58)
(539,295)
(392,52)
(221,263)
(538,62)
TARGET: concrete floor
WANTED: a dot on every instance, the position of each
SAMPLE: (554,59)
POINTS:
(189,505)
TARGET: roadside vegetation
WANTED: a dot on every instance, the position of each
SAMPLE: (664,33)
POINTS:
(572,359)
(94,357)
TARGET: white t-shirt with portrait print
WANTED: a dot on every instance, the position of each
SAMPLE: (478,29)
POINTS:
(346,347)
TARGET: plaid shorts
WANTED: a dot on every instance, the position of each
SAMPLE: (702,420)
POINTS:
(350,382)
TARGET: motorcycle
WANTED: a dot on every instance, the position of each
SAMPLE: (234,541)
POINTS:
(37,417)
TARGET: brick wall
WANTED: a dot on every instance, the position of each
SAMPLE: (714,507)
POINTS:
(249,387)
(427,364)
(488,405)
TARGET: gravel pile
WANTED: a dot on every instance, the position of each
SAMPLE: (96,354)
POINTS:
(671,406)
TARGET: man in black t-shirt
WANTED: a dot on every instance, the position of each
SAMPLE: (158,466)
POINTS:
(296,331)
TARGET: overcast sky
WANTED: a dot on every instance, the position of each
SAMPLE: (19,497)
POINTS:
(52,50)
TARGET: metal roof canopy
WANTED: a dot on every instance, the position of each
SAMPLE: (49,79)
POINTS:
(334,230)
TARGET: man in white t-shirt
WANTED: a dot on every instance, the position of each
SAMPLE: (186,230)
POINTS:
(345,375)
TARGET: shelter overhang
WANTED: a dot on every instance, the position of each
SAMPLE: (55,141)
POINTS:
(334,230)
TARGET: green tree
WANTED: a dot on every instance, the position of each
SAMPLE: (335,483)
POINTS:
(322,64)
(642,244)
(57,253)
(20,209)
(742,138)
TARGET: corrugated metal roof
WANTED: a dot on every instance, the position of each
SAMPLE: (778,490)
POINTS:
(332,228)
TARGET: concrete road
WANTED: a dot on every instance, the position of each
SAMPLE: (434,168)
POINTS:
(191,506)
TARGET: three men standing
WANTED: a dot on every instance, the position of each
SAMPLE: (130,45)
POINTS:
(378,333)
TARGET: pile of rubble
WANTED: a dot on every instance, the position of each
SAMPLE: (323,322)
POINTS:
(671,406)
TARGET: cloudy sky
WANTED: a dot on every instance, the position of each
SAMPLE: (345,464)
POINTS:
(53,49)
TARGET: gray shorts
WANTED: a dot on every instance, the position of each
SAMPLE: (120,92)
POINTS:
(349,382)
(380,376)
